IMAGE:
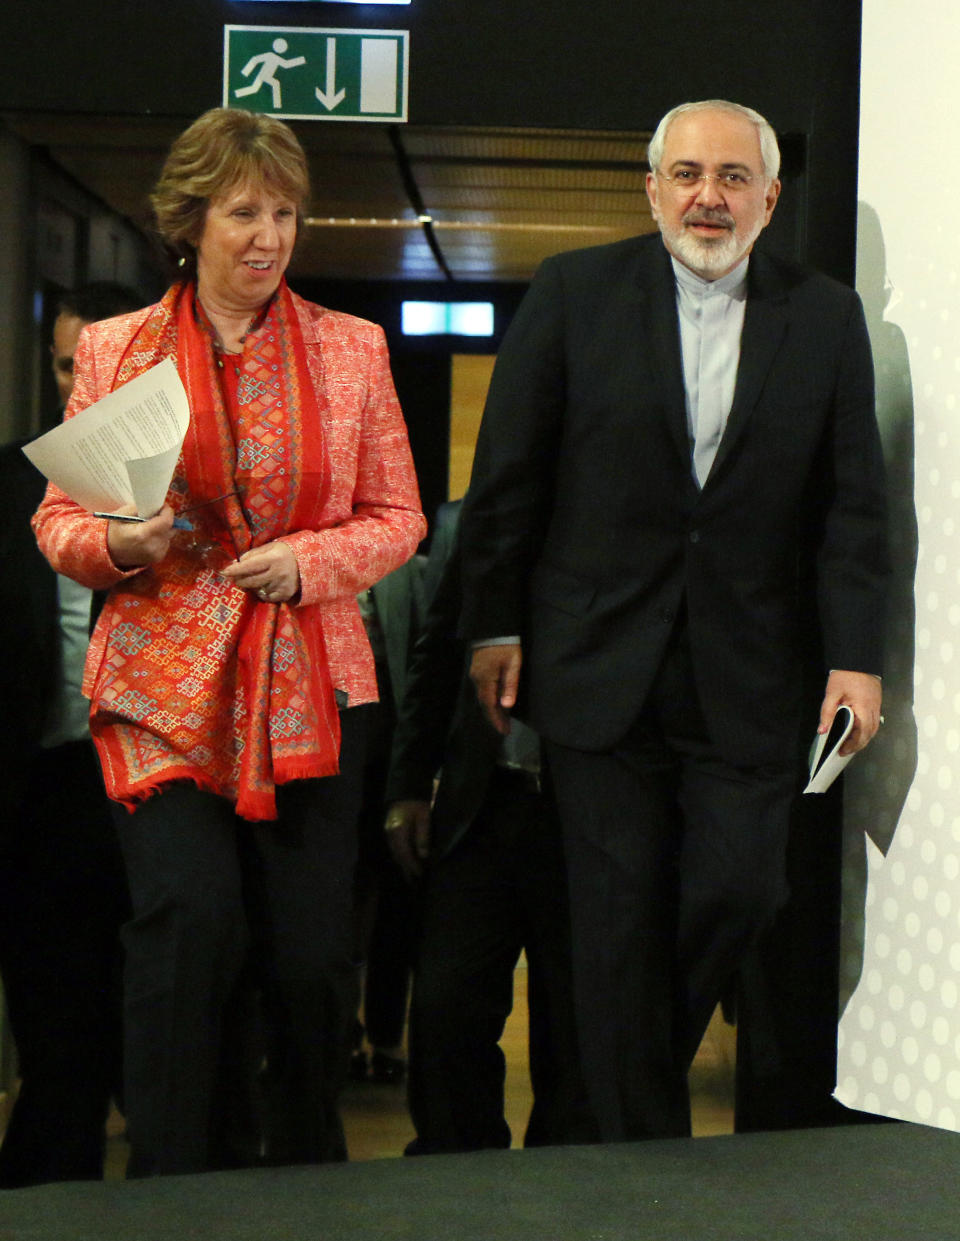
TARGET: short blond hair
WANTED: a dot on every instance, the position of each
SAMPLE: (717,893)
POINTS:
(223,148)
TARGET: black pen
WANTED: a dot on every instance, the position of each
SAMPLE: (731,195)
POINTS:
(178,524)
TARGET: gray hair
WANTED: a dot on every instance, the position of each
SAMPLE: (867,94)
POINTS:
(769,150)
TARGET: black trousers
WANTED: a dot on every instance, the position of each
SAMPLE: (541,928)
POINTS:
(218,901)
(676,863)
(500,890)
(63,899)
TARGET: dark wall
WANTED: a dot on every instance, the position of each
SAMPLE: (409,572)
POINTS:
(421,364)
(588,64)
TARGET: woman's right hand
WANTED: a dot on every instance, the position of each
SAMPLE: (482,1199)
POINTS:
(134,544)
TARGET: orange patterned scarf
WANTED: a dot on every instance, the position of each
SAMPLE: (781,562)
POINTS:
(201,680)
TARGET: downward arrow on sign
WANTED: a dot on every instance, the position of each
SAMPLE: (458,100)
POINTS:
(328,97)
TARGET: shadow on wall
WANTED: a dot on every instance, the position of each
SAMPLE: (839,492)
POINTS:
(877,784)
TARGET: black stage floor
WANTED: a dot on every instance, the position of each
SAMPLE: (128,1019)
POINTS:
(889,1182)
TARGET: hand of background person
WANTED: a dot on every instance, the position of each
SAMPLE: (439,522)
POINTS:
(135,544)
(408,835)
(270,571)
(495,671)
(862,693)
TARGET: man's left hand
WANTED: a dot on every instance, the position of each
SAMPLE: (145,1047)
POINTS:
(862,693)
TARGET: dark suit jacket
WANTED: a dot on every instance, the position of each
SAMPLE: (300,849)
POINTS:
(398,599)
(440,726)
(585,532)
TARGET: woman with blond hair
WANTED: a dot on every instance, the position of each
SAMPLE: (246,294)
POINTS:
(230,652)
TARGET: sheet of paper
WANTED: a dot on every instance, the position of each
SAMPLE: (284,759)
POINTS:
(123,449)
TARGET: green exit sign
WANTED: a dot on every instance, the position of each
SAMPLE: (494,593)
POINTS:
(312,74)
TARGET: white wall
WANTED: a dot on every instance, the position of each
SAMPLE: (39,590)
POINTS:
(900,1033)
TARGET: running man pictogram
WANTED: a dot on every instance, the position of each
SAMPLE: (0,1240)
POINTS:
(269,63)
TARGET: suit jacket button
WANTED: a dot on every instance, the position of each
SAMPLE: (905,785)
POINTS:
(694,536)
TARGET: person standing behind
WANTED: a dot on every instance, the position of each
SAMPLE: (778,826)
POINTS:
(230,651)
(674,423)
(101,299)
(392,611)
(488,860)
(63,893)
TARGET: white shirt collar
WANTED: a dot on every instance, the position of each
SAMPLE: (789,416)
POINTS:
(733,284)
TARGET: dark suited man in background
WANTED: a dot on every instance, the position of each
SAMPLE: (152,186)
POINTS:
(392,612)
(673,424)
(489,860)
(62,889)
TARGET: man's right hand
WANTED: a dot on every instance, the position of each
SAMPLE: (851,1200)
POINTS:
(408,835)
(495,671)
(134,544)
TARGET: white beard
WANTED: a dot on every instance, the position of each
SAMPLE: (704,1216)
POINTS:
(708,257)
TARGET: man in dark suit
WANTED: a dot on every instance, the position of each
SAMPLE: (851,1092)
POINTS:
(674,424)
(63,894)
(492,884)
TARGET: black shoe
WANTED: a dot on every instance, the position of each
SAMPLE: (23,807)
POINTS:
(387,1070)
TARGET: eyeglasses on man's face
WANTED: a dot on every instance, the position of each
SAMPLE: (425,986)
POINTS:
(731,181)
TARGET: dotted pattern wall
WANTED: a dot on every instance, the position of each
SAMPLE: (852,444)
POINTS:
(899,1035)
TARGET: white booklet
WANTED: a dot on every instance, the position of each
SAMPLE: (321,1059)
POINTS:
(123,449)
(826,762)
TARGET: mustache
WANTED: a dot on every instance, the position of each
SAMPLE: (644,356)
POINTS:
(706,215)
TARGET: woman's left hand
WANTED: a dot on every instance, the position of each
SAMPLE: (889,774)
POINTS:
(271,572)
